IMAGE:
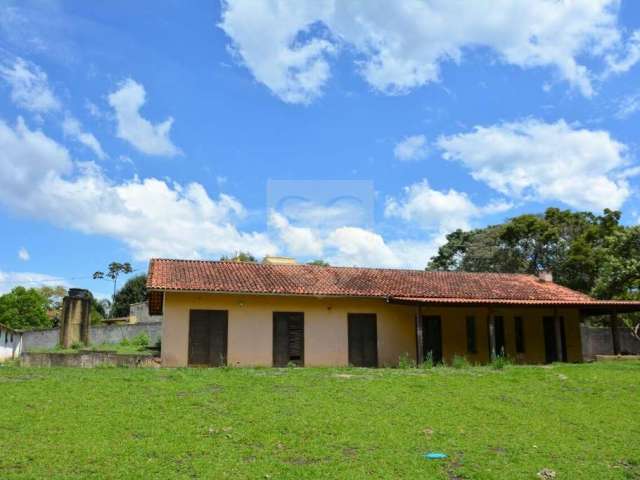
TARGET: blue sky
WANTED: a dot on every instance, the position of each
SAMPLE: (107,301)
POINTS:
(138,129)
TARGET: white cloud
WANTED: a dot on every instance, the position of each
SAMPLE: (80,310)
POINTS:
(628,106)
(438,210)
(621,64)
(23,254)
(353,246)
(540,161)
(298,241)
(29,86)
(154,218)
(411,148)
(10,280)
(72,128)
(132,127)
(267,37)
(287,44)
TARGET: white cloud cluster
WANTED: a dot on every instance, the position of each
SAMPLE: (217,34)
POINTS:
(435,210)
(29,86)
(534,160)
(413,147)
(349,245)
(286,44)
(135,129)
(72,128)
(269,38)
(38,178)
(9,280)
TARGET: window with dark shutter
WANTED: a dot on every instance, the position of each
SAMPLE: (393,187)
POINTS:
(471,335)
(519,328)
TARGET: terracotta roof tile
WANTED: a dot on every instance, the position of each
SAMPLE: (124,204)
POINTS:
(410,285)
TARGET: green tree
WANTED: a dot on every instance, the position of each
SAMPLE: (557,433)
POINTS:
(114,270)
(24,309)
(99,309)
(319,263)
(570,244)
(133,291)
(240,257)
(54,296)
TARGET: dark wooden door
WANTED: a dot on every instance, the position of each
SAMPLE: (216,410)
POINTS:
(208,331)
(550,340)
(432,337)
(288,338)
(498,325)
(363,339)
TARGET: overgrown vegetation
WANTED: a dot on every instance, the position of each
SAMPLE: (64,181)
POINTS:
(578,421)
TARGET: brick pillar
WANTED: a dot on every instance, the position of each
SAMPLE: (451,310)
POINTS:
(75,321)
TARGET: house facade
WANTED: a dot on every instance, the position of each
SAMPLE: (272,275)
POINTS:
(251,314)
(10,343)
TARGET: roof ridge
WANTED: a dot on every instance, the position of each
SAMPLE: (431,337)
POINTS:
(307,265)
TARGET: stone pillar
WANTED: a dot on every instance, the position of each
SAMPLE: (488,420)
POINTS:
(75,321)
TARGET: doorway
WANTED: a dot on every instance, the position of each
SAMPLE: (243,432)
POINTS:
(288,339)
(432,337)
(551,353)
(208,331)
(363,340)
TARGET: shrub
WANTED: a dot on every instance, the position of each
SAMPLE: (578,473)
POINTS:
(428,360)
(404,361)
(500,362)
(140,340)
(460,361)
(77,345)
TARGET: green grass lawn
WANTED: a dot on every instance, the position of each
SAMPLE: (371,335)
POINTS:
(581,421)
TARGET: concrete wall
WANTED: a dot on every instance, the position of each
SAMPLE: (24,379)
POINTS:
(598,341)
(326,329)
(98,334)
(86,360)
(10,344)
(139,313)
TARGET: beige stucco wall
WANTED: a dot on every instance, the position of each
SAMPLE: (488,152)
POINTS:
(326,328)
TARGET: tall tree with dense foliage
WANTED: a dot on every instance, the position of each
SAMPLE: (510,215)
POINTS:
(570,244)
(24,309)
(133,291)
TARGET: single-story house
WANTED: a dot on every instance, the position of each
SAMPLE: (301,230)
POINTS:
(10,343)
(250,314)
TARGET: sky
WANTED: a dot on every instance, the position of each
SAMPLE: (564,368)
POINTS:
(359,132)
